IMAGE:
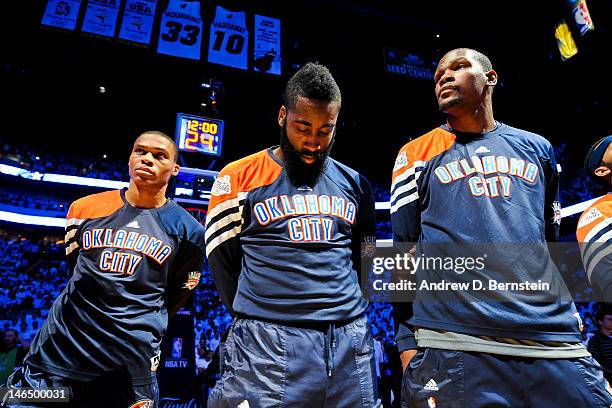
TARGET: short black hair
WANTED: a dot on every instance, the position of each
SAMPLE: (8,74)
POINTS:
(312,81)
(162,134)
(482,59)
(587,159)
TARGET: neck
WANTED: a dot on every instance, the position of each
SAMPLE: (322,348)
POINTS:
(479,120)
(145,198)
(278,152)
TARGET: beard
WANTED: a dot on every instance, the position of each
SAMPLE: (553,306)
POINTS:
(449,103)
(301,173)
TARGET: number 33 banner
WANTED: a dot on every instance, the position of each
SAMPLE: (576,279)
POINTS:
(229,39)
(180,31)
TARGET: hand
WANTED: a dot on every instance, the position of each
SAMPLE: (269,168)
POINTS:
(406,356)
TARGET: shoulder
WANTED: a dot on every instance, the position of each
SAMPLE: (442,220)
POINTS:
(422,149)
(243,175)
(527,139)
(599,212)
(341,172)
(179,222)
(96,205)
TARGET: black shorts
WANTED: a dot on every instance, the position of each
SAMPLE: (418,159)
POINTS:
(111,390)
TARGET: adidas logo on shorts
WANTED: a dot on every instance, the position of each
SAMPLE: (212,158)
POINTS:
(431,385)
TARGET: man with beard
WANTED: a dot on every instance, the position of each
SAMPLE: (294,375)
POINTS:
(283,238)
(479,182)
(594,230)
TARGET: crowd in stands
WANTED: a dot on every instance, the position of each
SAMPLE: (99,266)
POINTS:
(42,161)
(26,200)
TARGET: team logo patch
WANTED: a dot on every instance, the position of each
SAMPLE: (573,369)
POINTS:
(368,246)
(588,217)
(192,280)
(244,404)
(142,404)
(221,186)
(557,213)
(431,402)
(400,162)
(155,361)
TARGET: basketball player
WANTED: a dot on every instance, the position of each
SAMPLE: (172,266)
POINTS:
(283,238)
(135,257)
(594,231)
(477,180)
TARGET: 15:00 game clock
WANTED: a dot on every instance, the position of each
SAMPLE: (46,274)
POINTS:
(199,134)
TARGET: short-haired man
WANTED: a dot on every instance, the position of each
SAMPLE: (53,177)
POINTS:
(473,181)
(594,231)
(600,345)
(283,239)
(135,257)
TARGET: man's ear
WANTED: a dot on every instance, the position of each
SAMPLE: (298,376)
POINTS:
(175,172)
(491,77)
(602,171)
(282,114)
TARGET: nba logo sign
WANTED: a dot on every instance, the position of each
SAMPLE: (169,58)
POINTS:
(177,347)
(431,402)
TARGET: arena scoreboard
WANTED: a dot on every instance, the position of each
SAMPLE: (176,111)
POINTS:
(198,134)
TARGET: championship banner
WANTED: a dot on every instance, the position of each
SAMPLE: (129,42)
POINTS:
(565,41)
(138,21)
(229,39)
(403,63)
(101,17)
(582,16)
(62,13)
(267,51)
(180,31)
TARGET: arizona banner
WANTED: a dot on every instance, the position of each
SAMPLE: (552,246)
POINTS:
(267,51)
(137,21)
(565,41)
(101,17)
(62,13)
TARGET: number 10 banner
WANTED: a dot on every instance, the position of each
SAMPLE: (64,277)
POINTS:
(229,39)
(180,31)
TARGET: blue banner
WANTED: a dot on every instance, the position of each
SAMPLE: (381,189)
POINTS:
(62,13)
(180,31)
(229,39)
(267,51)
(101,17)
(137,21)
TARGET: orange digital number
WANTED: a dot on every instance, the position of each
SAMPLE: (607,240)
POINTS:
(191,138)
(192,125)
(210,128)
(207,140)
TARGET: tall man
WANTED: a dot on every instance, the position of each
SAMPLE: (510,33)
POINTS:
(284,231)
(476,180)
(135,257)
(594,230)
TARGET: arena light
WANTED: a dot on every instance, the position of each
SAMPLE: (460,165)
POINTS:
(32,219)
(84,181)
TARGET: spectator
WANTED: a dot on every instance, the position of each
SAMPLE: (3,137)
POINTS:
(600,346)
(12,354)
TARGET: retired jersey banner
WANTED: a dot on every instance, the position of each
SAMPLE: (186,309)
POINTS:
(137,21)
(180,31)
(62,13)
(582,16)
(229,39)
(267,51)
(101,17)
(565,41)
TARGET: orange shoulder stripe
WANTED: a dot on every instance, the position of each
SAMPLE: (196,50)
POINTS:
(244,175)
(598,212)
(424,148)
(96,205)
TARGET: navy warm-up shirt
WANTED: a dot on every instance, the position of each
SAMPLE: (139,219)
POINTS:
(288,253)
(496,187)
(131,269)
